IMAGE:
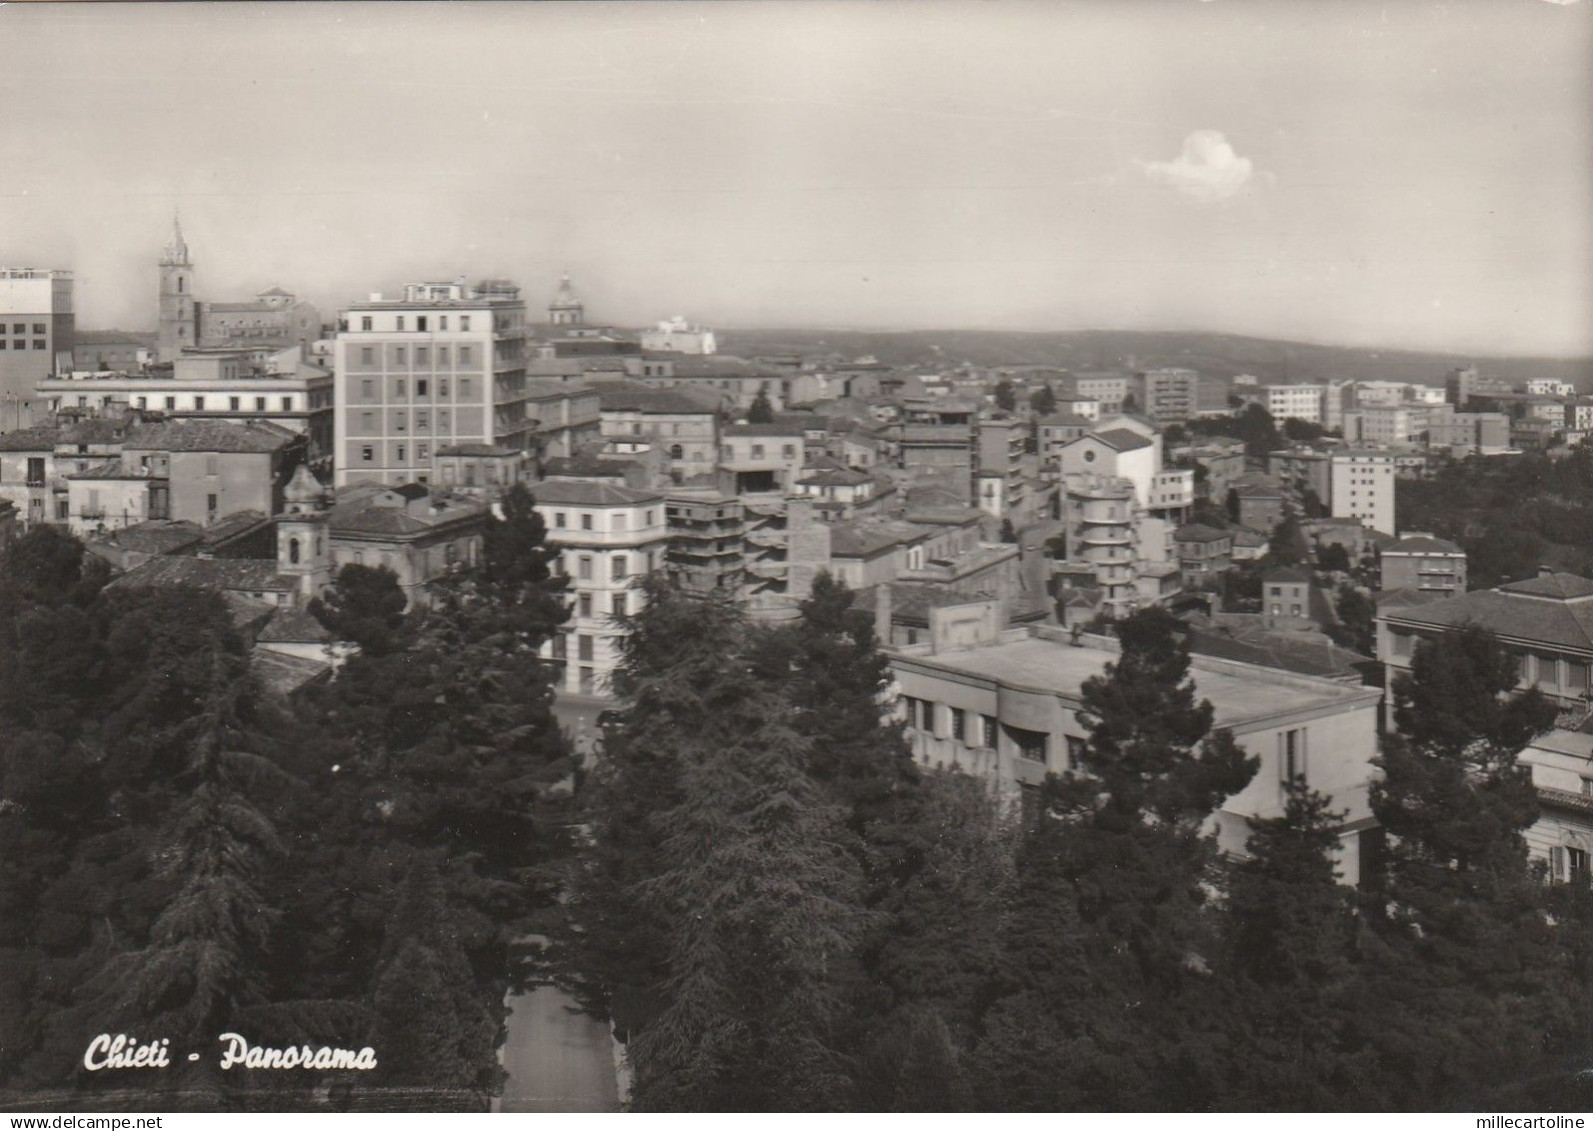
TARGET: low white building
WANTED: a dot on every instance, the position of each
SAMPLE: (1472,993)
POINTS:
(1009,710)
(1294,402)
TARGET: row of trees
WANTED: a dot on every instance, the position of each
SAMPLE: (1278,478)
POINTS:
(779,909)
(184,854)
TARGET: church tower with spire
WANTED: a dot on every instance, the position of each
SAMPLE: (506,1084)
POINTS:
(566,308)
(179,314)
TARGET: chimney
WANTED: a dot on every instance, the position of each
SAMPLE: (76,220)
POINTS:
(882,614)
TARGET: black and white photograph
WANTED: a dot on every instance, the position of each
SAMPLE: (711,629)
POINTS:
(866,557)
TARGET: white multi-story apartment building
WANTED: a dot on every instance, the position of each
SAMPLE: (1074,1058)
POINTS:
(36,336)
(1294,402)
(1362,485)
(608,537)
(1548,387)
(440,366)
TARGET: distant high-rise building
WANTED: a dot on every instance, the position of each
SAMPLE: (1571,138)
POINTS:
(36,337)
(440,366)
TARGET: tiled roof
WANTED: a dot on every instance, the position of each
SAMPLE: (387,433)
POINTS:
(231,525)
(294,625)
(1287,574)
(1200,532)
(111,469)
(850,540)
(155,536)
(623,396)
(577,493)
(257,575)
(1066,420)
(41,438)
(285,674)
(1564,586)
(209,436)
(1559,622)
(1123,439)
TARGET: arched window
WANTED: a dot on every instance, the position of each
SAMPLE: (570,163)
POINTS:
(293,551)
(677,452)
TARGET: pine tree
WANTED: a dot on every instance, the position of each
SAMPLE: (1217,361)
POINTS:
(1043,401)
(365,606)
(761,411)
(719,896)
(1291,944)
(1006,395)
(1465,985)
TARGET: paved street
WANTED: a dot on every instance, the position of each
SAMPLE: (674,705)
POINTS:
(556,1060)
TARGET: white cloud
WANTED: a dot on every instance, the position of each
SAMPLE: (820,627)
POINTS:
(1207,170)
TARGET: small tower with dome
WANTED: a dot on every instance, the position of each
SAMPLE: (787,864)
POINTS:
(303,549)
(566,308)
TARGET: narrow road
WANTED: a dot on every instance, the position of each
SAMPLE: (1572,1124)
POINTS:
(556,1060)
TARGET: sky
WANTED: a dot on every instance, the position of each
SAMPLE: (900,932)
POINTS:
(1405,174)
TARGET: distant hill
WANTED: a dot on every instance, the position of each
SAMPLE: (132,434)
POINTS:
(1222,354)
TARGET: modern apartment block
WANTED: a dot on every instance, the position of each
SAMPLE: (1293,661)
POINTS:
(36,325)
(608,538)
(1167,396)
(1423,563)
(1363,488)
(1294,402)
(442,365)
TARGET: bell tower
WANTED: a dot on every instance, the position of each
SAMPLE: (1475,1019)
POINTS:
(302,535)
(179,317)
(566,309)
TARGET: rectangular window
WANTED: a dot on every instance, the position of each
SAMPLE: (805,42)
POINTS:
(588,681)
(367,453)
(442,323)
(171,403)
(1075,750)
(583,646)
(212,465)
(618,568)
(586,568)
(420,386)
(287,404)
(584,604)
(558,519)
(957,723)
(420,322)
(199,404)
(365,322)
(465,355)
(988,731)
(38,344)
(422,355)
(367,355)
(757,451)
(1291,756)
(398,323)
(1032,745)
(586,522)
(367,388)
(422,420)
(210,503)
(259,404)
(464,323)
(234,403)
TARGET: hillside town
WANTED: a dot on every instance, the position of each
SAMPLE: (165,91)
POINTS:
(255,448)
(568,559)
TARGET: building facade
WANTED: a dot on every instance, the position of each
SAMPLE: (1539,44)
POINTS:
(1363,488)
(608,537)
(1425,564)
(37,328)
(442,365)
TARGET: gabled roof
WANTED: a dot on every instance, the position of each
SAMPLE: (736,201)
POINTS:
(574,492)
(1200,532)
(1121,439)
(242,575)
(1066,420)
(831,477)
(623,396)
(209,436)
(1287,574)
(853,540)
(294,625)
(155,536)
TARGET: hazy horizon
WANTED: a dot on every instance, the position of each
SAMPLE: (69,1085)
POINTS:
(1406,178)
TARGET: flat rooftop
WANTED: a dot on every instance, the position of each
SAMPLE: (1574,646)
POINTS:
(1239,693)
